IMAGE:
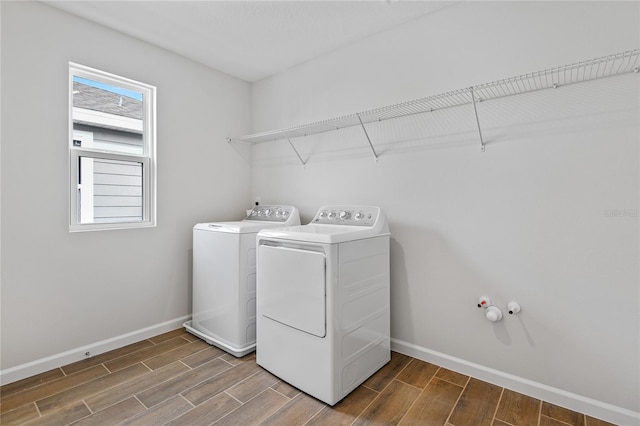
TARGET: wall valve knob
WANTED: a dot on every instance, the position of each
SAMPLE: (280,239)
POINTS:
(494,314)
(484,302)
(513,307)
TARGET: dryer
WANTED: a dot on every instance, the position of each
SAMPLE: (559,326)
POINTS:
(323,304)
(224,278)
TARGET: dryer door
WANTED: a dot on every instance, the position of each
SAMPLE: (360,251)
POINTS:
(291,288)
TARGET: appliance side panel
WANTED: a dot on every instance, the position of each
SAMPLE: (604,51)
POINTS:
(247,289)
(215,285)
(364,310)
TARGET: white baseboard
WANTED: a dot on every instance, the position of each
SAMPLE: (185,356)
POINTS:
(32,368)
(579,403)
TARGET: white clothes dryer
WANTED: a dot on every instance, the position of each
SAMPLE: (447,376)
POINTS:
(323,305)
(224,278)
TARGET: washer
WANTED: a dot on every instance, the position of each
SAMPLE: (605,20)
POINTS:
(224,278)
(323,321)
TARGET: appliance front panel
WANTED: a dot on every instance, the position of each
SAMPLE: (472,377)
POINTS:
(292,288)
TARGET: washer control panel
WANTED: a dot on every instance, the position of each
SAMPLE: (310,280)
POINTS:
(347,215)
(270,213)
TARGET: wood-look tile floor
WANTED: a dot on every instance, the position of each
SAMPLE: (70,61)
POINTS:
(177,379)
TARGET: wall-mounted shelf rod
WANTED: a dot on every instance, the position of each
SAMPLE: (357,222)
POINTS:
(304,163)
(475,110)
(593,69)
(364,129)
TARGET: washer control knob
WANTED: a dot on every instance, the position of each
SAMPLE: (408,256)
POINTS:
(268,212)
(323,213)
(344,215)
(331,215)
(359,216)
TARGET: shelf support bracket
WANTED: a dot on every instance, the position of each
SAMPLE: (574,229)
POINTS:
(375,154)
(475,110)
(304,163)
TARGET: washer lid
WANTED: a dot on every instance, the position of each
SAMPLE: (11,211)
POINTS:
(240,227)
(259,217)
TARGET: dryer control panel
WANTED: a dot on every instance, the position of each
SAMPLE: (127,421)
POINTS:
(270,213)
(347,215)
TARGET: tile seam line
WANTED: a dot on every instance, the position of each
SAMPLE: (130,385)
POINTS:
(232,397)
(381,391)
(559,421)
(185,390)
(135,395)
(102,363)
(495,411)
(242,404)
(539,413)
(418,397)
(60,378)
(208,399)
(188,402)
(95,393)
(72,387)
(316,414)
(280,393)
(457,400)
(244,380)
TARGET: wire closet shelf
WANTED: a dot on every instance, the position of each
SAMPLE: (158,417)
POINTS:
(593,69)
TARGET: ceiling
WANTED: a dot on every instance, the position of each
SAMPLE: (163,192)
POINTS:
(250,40)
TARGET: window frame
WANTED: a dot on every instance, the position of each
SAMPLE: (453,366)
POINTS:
(147,158)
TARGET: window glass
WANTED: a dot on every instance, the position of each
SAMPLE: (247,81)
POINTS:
(111,151)
(110,191)
(114,115)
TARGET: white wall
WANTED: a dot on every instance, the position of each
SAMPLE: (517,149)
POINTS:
(526,220)
(61,290)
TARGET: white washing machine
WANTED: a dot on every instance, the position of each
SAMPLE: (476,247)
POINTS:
(323,321)
(224,278)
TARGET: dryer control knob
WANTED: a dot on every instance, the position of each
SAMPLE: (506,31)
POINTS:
(331,215)
(268,212)
(344,215)
(359,216)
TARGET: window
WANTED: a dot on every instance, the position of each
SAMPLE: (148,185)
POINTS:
(111,151)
